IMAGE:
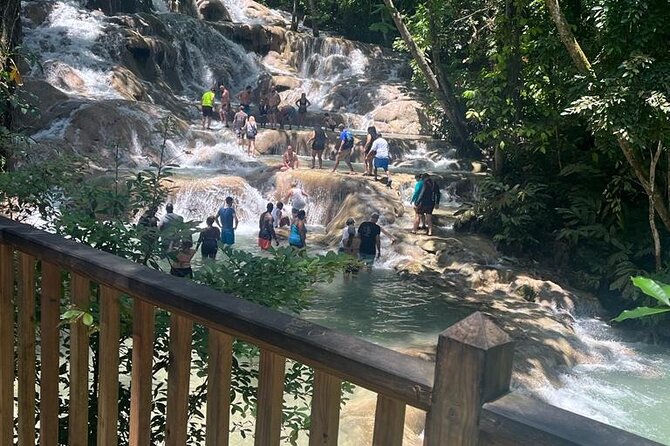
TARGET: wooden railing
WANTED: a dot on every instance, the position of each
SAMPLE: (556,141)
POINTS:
(465,393)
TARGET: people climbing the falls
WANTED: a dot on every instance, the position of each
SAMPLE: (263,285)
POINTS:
(224,111)
(318,140)
(227,219)
(273,101)
(369,234)
(415,197)
(266,230)
(169,227)
(427,200)
(207,105)
(297,196)
(263,111)
(239,121)
(367,155)
(250,132)
(286,116)
(380,151)
(279,219)
(209,240)
(302,105)
(298,233)
(346,145)
(290,159)
(245,99)
(329,122)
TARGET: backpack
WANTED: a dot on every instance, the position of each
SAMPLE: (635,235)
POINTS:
(252,131)
(348,141)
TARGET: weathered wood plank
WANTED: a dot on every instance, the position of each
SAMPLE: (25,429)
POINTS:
(270,399)
(473,366)
(79,379)
(219,369)
(49,353)
(140,384)
(518,419)
(325,415)
(389,422)
(376,368)
(108,398)
(6,344)
(179,371)
(26,341)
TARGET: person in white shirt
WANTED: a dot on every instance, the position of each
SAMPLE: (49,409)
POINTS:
(380,148)
(297,196)
(278,218)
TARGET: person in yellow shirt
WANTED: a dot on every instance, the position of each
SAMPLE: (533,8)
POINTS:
(207,104)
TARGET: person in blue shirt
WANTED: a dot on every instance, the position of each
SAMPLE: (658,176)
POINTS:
(347,143)
(227,219)
(420,177)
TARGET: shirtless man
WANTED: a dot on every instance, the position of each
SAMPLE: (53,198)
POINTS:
(273,107)
(290,159)
(239,122)
(224,111)
(245,99)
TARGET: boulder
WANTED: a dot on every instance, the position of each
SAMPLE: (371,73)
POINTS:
(284,83)
(64,76)
(212,10)
(128,85)
(36,12)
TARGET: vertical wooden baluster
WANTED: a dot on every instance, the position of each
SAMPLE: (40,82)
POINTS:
(6,344)
(219,367)
(49,353)
(108,399)
(78,423)
(473,366)
(140,384)
(270,399)
(179,371)
(389,422)
(26,335)
(325,409)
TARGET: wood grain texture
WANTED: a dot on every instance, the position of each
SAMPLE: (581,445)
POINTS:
(389,422)
(108,397)
(220,349)
(26,346)
(325,417)
(140,383)
(473,365)
(6,344)
(270,399)
(79,379)
(179,372)
(49,353)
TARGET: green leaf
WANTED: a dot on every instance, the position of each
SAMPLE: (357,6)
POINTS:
(87,319)
(653,289)
(639,312)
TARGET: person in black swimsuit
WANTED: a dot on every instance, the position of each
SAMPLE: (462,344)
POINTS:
(209,239)
(319,141)
(367,155)
(302,105)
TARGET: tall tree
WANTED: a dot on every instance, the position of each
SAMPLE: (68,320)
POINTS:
(10,36)
(313,16)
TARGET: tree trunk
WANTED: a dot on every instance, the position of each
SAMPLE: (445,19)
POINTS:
(312,13)
(442,92)
(294,16)
(565,33)
(652,214)
(10,37)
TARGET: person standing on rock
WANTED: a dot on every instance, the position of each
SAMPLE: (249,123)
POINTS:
(169,226)
(224,111)
(207,105)
(302,105)
(209,239)
(273,107)
(420,178)
(318,141)
(290,159)
(263,111)
(266,228)
(297,196)
(228,222)
(369,235)
(250,132)
(245,99)
(239,122)
(427,201)
(380,148)
(368,156)
(344,149)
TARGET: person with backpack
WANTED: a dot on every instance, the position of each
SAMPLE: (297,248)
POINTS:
(250,132)
(427,201)
(347,143)
(318,141)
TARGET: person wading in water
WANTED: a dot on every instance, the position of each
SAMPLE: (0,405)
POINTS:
(266,228)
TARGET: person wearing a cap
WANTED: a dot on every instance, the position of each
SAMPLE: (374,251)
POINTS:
(368,233)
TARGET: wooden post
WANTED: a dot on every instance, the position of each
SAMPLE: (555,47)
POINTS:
(140,383)
(6,344)
(49,353)
(26,337)
(325,409)
(270,399)
(473,366)
(108,398)
(179,371)
(389,422)
(219,368)
(78,425)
